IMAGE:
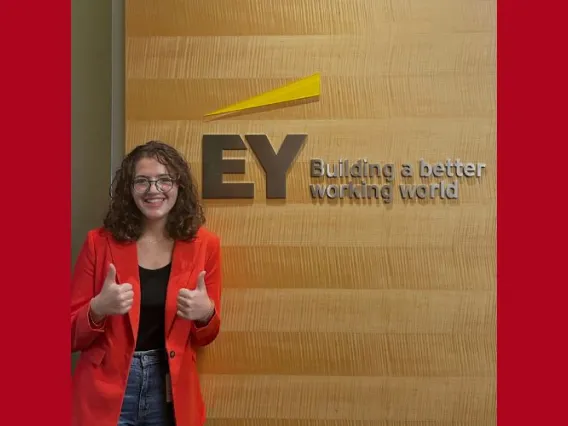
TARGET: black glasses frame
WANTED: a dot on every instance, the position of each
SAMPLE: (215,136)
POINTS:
(155,182)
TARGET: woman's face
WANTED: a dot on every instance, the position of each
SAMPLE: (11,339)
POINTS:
(154,190)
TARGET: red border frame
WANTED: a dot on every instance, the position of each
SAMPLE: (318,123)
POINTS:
(531,286)
(36,131)
(532,360)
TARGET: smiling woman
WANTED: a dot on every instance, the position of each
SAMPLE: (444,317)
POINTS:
(155,182)
(142,184)
(146,291)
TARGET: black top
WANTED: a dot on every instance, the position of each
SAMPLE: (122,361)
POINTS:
(151,329)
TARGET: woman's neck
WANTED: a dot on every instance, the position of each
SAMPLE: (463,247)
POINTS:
(154,231)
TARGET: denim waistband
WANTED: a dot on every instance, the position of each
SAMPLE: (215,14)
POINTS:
(154,356)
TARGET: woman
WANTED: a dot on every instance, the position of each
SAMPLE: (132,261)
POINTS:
(145,294)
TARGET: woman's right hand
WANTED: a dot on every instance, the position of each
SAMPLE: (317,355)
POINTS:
(114,299)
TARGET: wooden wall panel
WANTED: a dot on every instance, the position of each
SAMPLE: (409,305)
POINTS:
(341,313)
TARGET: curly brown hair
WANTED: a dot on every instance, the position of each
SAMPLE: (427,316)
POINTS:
(124,220)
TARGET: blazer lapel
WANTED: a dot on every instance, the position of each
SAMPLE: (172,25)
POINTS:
(185,258)
(183,275)
(125,259)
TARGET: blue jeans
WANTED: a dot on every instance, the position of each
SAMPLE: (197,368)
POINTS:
(145,401)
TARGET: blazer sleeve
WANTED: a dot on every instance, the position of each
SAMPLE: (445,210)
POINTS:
(83,331)
(206,334)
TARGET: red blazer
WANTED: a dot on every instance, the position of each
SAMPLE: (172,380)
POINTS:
(100,377)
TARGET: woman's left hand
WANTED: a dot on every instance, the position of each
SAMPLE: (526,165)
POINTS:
(195,305)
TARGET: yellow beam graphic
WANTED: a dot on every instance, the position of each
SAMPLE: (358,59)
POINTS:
(305,88)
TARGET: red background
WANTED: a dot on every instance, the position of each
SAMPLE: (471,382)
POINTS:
(35,74)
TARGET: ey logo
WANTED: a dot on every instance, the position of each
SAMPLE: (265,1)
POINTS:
(275,164)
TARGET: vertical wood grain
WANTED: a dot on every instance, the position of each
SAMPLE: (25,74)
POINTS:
(342,314)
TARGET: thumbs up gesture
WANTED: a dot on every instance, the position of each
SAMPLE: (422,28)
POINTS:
(114,299)
(195,304)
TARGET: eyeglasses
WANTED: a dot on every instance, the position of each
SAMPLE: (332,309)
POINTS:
(163,184)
